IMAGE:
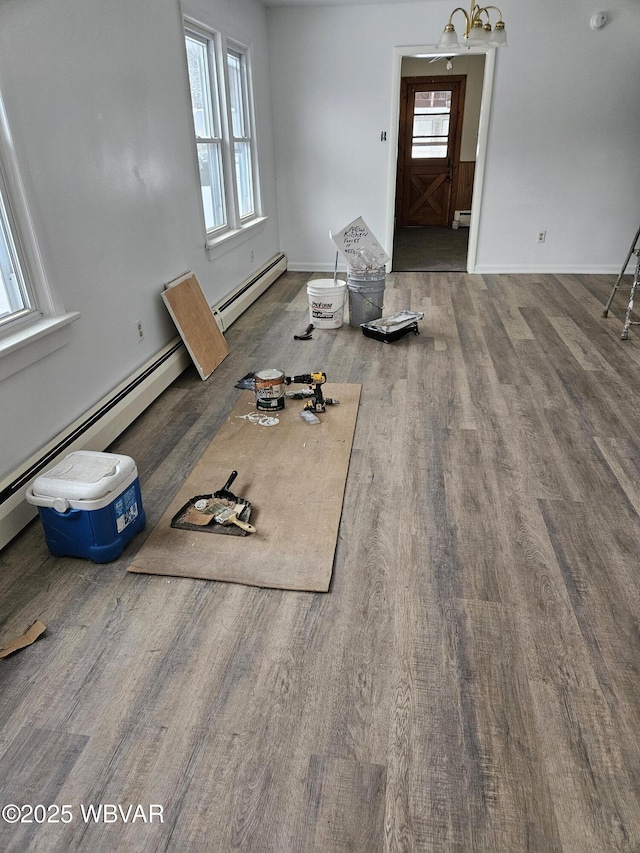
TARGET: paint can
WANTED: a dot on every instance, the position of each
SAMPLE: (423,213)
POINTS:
(269,388)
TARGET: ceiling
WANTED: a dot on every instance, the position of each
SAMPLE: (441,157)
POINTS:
(334,2)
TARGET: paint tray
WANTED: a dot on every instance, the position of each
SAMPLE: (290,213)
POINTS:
(392,328)
(191,518)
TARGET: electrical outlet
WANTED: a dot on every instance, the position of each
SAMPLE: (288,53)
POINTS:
(139,330)
(542,236)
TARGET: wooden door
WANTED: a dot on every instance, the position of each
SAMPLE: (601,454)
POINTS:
(429,149)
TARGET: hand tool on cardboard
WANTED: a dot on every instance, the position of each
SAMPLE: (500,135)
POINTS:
(226,515)
(306,335)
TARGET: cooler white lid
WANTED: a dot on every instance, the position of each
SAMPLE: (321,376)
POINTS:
(85,475)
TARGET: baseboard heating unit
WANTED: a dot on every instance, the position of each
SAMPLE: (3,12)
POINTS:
(101,425)
(461,219)
(232,306)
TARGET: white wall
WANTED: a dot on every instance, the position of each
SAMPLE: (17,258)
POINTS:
(97,97)
(563,139)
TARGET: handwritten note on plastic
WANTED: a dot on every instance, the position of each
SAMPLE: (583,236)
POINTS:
(359,247)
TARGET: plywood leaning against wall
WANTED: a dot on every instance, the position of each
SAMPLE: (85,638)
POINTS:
(196,323)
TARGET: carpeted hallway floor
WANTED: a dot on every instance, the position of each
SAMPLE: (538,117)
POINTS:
(430,249)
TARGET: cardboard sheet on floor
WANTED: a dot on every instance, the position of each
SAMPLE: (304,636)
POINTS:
(196,323)
(24,640)
(293,473)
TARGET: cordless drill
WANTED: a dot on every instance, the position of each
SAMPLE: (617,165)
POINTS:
(316,401)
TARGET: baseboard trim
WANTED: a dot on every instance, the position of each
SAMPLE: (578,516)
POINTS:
(570,269)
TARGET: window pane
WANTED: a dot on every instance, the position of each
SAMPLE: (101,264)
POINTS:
(210,163)
(200,85)
(236,94)
(244,179)
(13,295)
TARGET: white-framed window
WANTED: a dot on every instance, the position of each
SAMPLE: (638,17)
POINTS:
(223,120)
(32,318)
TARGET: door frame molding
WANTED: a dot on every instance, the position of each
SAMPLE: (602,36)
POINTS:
(427,52)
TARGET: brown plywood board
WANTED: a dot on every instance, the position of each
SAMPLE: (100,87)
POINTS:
(293,473)
(196,323)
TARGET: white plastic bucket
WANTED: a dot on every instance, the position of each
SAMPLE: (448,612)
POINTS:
(327,299)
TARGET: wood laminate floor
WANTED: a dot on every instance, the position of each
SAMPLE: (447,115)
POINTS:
(470,682)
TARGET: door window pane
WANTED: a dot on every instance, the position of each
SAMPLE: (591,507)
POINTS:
(428,148)
(431,125)
(431,115)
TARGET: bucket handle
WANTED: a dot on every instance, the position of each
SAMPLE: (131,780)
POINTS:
(379,307)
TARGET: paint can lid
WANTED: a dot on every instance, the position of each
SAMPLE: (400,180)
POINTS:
(270,373)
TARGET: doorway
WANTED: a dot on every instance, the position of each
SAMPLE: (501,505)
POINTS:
(438,136)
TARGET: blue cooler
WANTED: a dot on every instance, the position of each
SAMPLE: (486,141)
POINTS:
(90,505)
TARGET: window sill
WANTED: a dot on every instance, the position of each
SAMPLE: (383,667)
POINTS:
(34,342)
(230,239)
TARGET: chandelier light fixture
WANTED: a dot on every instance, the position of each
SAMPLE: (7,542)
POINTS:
(478,31)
